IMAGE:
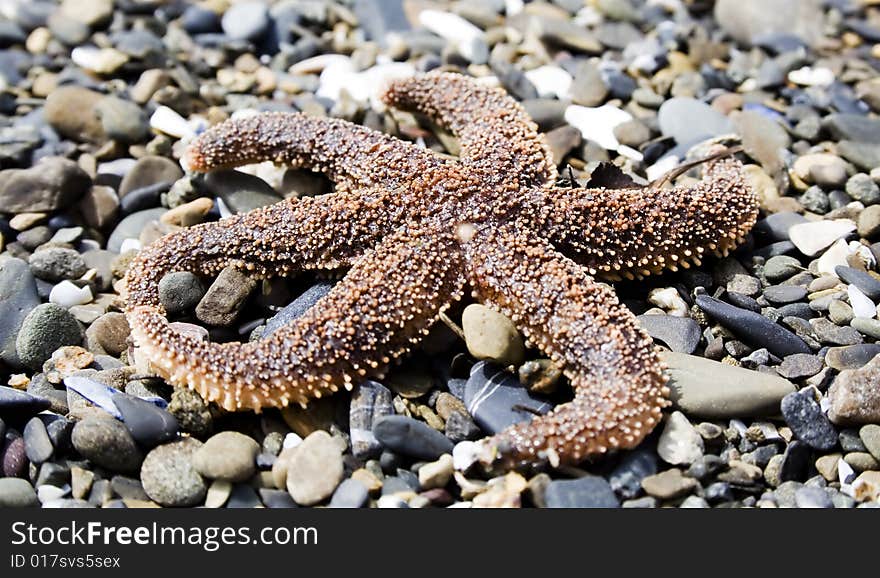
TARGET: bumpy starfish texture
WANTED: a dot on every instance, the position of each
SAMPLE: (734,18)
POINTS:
(416,231)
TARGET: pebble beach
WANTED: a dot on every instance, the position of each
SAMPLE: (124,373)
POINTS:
(772,352)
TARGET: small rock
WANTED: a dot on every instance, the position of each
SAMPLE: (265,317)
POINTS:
(51,184)
(669,484)
(436,474)
(491,335)
(810,238)
(753,328)
(180,292)
(679,443)
(349,494)
(149,425)
(147,171)
(37,444)
(246,20)
(496,399)
(46,328)
(225,297)
(584,492)
(169,477)
(228,456)
(870,436)
(107,443)
(57,263)
(854,395)
(73,112)
(410,437)
(806,419)
(681,334)
(314,469)
(17,493)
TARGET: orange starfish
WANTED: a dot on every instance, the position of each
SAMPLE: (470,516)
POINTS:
(416,230)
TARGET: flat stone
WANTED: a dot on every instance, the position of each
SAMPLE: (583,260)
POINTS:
(496,399)
(369,401)
(228,456)
(753,327)
(349,494)
(854,395)
(168,475)
(804,416)
(17,493)
(688,120)
(147,171)
(866,283)
(681,334)
(669,484)
(701,387)
(149,425)
(585,492)
(314,469)
(410,437)
(107,443)
(53,183)
(225,298)
(851,356)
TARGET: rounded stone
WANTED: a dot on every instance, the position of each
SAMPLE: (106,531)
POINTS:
(107,443)
(168,475)
(228,456)
(17,493)
(46,328)
(490,335)
(180,292)
(56,264)
(314,469)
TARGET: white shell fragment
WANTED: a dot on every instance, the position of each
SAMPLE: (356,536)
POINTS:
(810,238)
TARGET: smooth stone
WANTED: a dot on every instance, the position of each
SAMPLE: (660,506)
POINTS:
(46,328)
(53,183)
(109,334)
(180,292)
(861,305)
(681,334)
(870,436)
(228,455)
(851,356)
(749,21)
(865,156)
(869,327)
(107,443)
(122,120)
(20,403)
(804,416)
(297,307)
(811,238)
(37,444)
(15,462)
(799,365)
(349,494)
(679,442)
(626,478)
(778,225)
(169,477)
(149,425)
(852,127)
(753,327)
(246,20)
(131,226)
(496,398)
(314,469)
(57,263)
(854,395)
(369,401)
(669,484)
(585,492)
(241,192)
(489,335)
(782,294)
(148,171)
(861,187)
(18,296)
(72,112)
(17,493)
(705,388)
(688,120)
(272,498)
(407,436)
(865,282)
(218,493)
(810,497)
(225,298)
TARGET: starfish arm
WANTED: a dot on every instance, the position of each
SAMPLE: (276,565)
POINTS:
(637,232)
(612,364)
(494,130)
(323,232)
(353,156)
(384,304)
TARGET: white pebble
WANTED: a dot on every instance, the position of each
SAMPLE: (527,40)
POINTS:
(49,493)
(845,475)
(319,63)
(168,121)
(661,167)
(807,76)
(130,244)
(67,294)
(597,124)
(466,37)
(291,440)
(99,60)
(861,305)
(464,455)
(668,299)
(550,81)
(834,256)
(119,167)
(810,238)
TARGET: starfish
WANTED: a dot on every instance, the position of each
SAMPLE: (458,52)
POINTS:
(416,230)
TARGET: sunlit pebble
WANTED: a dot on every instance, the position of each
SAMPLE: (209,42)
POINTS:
(319,63)
(550,81)
(661,167)
(168,121)
(130,244)
(291,440)
(467,38)
(118,167)
(845,474)
(464,455)
(67,294)
(808,76)
(861,305)
(597,124)
(812,237)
